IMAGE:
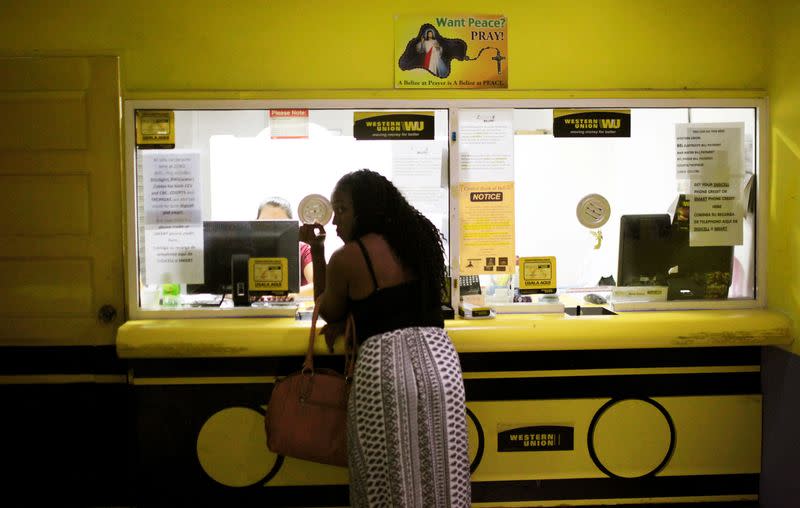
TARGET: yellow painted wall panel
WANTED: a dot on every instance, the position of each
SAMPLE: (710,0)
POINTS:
(50,329)
(784,238)
(42,161)
(44,205)
(40,121)
(717,434)
(319,45)
(46,287)
(627,447)
(33,74)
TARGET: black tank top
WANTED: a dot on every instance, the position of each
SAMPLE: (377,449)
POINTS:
(392,308)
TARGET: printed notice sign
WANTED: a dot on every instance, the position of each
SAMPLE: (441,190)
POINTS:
(417,164)
(593,123)
(487,228)
(537,275)
(155,129)
(172,193)
(486,145)
(408,125)
(715,216)
(173,253)
(173,231)
(451,51)
(540,438)
(431,202)
(709,150)
(268,274)
(288,123)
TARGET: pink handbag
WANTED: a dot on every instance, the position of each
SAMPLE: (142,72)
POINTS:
(306,416)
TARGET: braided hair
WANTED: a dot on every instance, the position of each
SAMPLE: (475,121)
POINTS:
(380,208)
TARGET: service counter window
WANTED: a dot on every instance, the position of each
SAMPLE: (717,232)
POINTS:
(644,204)
(220,194)
(656,211)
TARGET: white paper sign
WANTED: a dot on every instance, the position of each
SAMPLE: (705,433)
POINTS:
(431,202)
(417,164)
(486,145)
(709,150)
(715,213)
(426,199)
(172,192)
(174,254)
(288,123)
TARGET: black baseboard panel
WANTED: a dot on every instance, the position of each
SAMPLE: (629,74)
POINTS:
(780,449)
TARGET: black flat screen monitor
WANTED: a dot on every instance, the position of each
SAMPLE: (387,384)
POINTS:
(644,250)
(699,272)
(654,252)
(228,244)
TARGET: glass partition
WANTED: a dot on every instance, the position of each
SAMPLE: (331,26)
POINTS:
(638,176)
(226,166)
(677,193)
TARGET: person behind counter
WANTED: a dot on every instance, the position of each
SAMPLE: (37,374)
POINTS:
(389,274)
(277,208)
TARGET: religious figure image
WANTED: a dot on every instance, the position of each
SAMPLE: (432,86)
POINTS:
(432,52)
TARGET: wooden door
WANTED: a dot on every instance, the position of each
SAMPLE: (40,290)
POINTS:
(61,201)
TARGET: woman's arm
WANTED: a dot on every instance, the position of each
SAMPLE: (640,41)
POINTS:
(314,236)
(330,279)
(332,300)
(308,273)
(320,269)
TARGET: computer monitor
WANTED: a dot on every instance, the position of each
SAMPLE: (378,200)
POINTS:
(228,245)
(644,250)
(655,252)
(699,272)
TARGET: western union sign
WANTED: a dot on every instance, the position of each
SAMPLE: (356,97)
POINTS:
(593,123)
(536,439)
(408,125)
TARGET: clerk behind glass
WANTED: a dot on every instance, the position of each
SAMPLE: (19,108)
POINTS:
(277,208)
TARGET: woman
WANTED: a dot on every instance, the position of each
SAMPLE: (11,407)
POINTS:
(277,208)
(407,438)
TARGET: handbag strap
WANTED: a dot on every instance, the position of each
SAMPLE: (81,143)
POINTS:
(349,344)
(350,347)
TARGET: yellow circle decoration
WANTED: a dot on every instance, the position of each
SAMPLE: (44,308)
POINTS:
(232,447)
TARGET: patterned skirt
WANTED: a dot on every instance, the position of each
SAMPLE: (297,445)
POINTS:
(407,431)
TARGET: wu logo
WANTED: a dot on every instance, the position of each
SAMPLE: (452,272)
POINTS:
(413,126)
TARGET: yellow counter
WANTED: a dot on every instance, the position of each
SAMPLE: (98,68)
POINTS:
(669,400)
(253,337)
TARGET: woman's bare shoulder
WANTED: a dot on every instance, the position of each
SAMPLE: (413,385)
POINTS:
(373,240)
(346,255)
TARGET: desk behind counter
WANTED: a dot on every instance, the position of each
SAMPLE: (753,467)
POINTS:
(636,408)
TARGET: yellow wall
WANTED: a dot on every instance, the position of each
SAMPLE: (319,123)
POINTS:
(320,45)
(784,214)
(317,49)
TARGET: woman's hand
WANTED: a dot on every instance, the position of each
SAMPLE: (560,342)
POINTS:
(331,331)
(313,234)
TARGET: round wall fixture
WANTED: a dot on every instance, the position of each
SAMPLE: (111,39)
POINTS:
(232,448)
(593,211)
(315,209)
(631,438)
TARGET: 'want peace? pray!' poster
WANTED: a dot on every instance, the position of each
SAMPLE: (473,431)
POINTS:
(464,51)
